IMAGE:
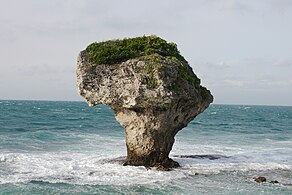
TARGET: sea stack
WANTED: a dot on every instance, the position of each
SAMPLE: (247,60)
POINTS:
(150,87)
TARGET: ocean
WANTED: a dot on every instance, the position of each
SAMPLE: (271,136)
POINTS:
(49,147)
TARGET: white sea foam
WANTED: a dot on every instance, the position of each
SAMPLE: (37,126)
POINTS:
(218,167)
(75,168)
(91,169)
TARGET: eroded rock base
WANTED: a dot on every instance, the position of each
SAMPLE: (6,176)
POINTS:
(164,164)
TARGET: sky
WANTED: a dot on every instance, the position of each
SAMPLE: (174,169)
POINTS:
(240,49)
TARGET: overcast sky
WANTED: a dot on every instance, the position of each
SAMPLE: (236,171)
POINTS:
(241,49)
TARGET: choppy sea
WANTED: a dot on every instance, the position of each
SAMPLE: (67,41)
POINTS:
(70,148)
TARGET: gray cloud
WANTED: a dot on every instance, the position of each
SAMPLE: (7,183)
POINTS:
(282,63)
(279,6)
(221,65)
(41,70)
(242,6)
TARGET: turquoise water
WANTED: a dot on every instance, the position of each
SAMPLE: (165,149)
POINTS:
(70,148)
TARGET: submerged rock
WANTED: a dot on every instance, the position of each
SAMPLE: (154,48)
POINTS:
(260,179)
(203,156)
(150,87)
(274,181)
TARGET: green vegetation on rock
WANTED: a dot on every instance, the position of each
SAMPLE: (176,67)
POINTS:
(149,79)
(152,48)
(117,51)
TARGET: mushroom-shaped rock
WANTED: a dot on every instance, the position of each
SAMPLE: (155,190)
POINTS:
(150,87)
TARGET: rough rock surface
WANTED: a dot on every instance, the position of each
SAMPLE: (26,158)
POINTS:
(260,179)
(153,97)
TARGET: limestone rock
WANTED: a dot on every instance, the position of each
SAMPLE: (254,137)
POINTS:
(152,95)
(274,181)
(260,179)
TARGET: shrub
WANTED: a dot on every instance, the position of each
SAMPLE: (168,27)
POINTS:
(117,51)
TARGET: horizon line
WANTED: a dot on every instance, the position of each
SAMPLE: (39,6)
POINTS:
(227,104)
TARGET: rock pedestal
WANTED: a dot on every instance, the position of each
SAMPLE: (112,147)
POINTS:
(152,96)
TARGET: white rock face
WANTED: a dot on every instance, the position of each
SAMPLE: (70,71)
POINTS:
(153,98)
